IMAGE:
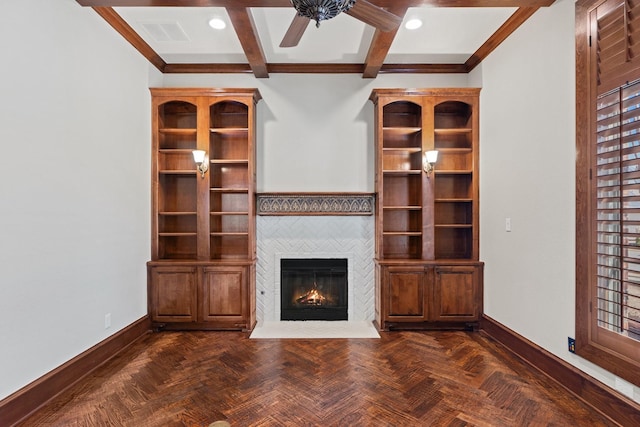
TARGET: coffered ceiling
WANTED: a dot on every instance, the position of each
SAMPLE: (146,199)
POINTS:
(174,35)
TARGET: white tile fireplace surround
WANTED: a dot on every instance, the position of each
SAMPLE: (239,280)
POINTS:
(294,236)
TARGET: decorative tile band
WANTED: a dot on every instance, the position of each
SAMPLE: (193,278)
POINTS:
(315,204)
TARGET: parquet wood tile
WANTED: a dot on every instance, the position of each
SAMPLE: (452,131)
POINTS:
(408,378)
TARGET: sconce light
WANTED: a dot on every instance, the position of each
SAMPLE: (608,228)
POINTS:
(430,157)
(202,160)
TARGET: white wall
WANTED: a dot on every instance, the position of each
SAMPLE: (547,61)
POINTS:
(74,185)
(315,131)
(527,163)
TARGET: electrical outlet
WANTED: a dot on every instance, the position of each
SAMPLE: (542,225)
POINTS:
(107,320)
(572,344)
(507,224)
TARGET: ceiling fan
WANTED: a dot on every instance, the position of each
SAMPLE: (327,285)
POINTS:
(320,10)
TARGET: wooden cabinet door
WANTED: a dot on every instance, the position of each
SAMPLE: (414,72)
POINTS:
(405,294)
(224,295)
(173,294)
(456,293)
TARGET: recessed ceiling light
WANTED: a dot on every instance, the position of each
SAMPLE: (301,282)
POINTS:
(217,23)
(413,24)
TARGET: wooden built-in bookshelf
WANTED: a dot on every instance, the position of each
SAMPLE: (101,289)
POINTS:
(202,271)
(428,271)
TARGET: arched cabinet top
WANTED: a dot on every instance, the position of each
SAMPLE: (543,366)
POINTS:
(452,115)
(177,114)
(402,113)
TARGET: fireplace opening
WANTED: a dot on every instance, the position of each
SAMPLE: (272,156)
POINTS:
(313,289)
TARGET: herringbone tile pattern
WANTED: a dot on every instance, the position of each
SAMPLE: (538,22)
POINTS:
(315,236)
(402,379)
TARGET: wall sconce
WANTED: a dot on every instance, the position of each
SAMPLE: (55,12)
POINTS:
(430,157)
(202,160)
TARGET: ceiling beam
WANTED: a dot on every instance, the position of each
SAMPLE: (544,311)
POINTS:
(378,50)
(245,28)
(379,47)
(325,68)
(180,68)
(136,41)
(505,30)
(387,4)
(424,68)
(120,25)
(315,68)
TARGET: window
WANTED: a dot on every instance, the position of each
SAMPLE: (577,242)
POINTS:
(617,218)
(608,185)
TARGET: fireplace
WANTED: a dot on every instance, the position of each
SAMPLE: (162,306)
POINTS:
(313,289)
(324,236)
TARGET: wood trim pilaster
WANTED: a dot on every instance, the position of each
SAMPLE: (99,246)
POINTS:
(24,402)
(613,405)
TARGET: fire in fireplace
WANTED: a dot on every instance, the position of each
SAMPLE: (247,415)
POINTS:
(313,289)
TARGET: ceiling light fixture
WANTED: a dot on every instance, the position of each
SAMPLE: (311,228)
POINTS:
(217,24)
(413,24)
(321,10)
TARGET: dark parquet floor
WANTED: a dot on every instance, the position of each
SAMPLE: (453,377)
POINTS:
(403,379)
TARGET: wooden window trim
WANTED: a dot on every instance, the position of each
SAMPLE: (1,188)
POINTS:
(596,348)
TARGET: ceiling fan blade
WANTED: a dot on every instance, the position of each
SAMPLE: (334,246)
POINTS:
(295,31)
(374,16)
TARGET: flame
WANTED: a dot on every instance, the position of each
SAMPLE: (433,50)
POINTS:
(312,297)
